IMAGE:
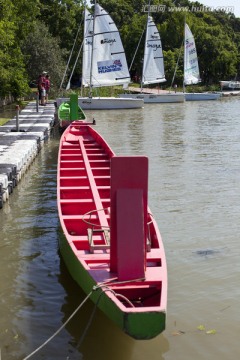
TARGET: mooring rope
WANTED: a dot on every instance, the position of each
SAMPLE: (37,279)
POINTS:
(61,327)
(102,286)
(105,288)
(89,321)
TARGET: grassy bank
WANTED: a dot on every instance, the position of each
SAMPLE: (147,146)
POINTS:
(7,112)
(116,90)
(3,121)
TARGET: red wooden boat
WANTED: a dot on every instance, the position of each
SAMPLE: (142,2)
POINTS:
(110,241)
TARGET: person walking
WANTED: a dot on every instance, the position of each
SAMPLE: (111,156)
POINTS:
(41,88)
(47,86)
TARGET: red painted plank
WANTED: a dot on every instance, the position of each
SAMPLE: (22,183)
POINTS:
(130,234)
(127,172)
(97,199)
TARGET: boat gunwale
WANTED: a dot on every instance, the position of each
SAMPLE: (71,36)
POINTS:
(80,258)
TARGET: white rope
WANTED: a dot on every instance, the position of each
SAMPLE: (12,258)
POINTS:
(90,213)
(60,329)
(89,321)
(130,67)
(70,56)
(118,295)
(180,52)
(101,286)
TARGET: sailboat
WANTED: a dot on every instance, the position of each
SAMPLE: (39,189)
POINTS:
(104,62)
(191,69)
(231,84)
(153,68)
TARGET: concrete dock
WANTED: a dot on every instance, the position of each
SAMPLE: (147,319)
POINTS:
(21,139)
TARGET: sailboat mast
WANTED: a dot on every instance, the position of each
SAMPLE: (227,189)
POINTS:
(70,56)
(176,67)
(130,67)
(148,14)
(184,54)
(74,66)
(91,66)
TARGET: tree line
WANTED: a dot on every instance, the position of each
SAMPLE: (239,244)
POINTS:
(38,35)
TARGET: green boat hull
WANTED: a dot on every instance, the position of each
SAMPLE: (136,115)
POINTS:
(70,111)
(140,326)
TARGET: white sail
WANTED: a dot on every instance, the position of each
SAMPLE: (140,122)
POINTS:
(191,69)
(153,64)
(87,47)
(109,65)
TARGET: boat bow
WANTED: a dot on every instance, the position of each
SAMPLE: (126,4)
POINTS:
(110,241)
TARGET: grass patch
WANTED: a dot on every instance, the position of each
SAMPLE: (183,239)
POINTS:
(110,91)
(3,121)
(106,91)
(7,112)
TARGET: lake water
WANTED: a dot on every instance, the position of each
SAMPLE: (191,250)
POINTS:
(194,194)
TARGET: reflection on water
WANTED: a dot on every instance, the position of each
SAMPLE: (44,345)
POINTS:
(194,194)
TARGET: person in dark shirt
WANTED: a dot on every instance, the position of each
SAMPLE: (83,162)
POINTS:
(47,86)
(41,88)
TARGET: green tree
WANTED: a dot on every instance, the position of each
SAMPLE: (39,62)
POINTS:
(25,13)
(13,76)
(214,43)
(42,53)
(63,19)
(38,35)
(216,35)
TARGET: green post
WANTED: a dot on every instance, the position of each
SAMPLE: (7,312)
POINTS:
(73,107)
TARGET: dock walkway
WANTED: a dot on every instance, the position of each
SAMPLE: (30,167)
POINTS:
(156,91)
(19,148)
(145,90)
